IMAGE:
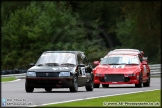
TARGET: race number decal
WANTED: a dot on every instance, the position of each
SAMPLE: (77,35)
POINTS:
(83,71)
(117,66)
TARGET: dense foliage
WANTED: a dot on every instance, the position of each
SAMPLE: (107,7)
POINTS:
(30,28)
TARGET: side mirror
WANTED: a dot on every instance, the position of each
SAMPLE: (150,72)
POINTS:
(142,52)
(144,63)
(81,65)
(96,62)
(32,64)
(145,59)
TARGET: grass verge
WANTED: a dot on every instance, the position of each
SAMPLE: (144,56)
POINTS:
(148,99)
(5,79)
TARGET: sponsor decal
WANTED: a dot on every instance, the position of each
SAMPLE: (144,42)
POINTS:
(60,68)
(117,66)
(65,67)
(54,68)
(87,73)
(83,72)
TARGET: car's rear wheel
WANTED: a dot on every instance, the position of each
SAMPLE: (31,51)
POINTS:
(96,85)
(48,89)
(74,87)
(105,85)
(28,88)
(139,85)
(89,86)
(147,84)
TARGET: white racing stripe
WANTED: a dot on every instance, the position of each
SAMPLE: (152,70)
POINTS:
(92,98)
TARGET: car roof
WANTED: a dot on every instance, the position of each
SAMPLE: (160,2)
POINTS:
(132,50)
(126,51)
(76,52)
(123,52)
(133,54)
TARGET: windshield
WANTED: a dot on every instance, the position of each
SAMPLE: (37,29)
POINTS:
(56,59)
(120,60)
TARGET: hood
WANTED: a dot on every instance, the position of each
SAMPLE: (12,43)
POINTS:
(51,68)
(117,69)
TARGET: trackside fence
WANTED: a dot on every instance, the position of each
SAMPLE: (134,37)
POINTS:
(155,70)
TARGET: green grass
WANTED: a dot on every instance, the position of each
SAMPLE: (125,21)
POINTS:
(5,79)
(150,96)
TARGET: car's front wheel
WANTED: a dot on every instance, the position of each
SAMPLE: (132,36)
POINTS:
(89,86)
(48,89)
(74,87)
(147,84)
(139,85)
(28,88)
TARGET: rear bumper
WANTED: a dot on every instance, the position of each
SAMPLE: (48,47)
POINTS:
(49,82)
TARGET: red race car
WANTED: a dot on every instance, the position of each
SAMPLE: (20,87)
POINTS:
(122,67)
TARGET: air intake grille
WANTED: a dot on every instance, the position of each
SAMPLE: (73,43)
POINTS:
(47,74)
(114,77)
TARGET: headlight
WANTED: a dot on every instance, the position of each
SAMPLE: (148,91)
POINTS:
(127,75)
(64,74)
(75,69)
(98,74)
(31,74)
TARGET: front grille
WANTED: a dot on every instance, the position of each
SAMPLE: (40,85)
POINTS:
(47,81)
(44,81)
(102,79)
(114,77)
(47,74)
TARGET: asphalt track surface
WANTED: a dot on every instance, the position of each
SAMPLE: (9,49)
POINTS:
(16,90)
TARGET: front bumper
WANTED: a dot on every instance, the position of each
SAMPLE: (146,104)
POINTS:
(43,82)
(116,82)
(116,79)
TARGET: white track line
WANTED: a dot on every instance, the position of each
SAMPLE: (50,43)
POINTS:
(91,98)
(11,81)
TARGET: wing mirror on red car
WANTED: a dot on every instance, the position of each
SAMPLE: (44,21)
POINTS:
(96,62)
(144,62)
(145,59)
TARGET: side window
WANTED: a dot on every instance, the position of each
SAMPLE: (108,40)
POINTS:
(85,60)
(80,60)
(140,58)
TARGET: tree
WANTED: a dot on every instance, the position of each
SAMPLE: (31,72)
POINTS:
(43,26)
(141,28)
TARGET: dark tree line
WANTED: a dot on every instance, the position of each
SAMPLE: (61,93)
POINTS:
(29,28)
